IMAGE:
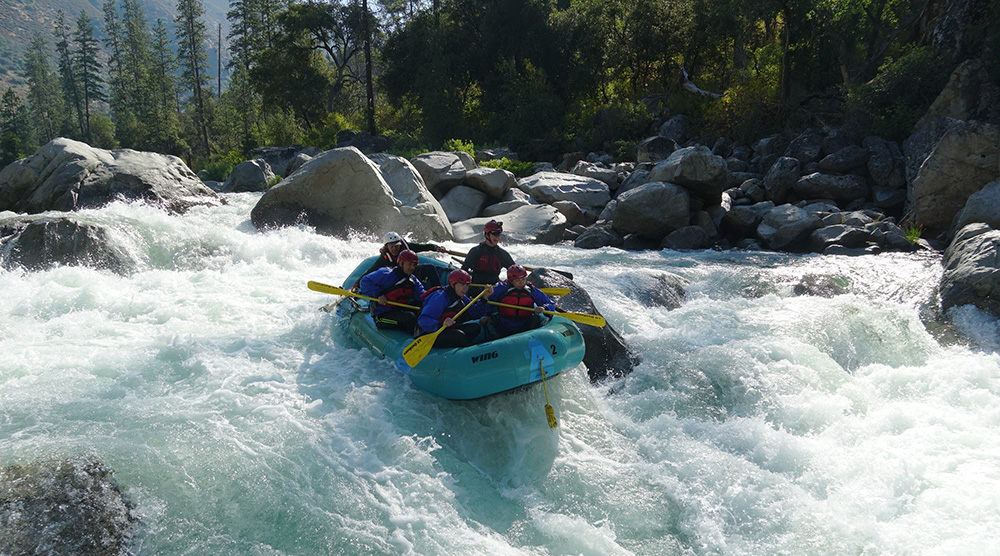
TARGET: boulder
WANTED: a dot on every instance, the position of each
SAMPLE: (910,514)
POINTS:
(982,206)
(461,203)
(249,175)
(528,224)
(841,189)
(971,94)
(71,506)
(780,179)
(607,354)
(280,158)
(342,190)
(687,237)
(590,170)
(652,210)
(696,169)
(440,170)
(806,147)
(964,158)
(601,234)
(787,228)
(972,269)
(39,243)
(847,159)
(654,149)
(67,175)
(653,288)
(503,207)
(494,182)
(549,187)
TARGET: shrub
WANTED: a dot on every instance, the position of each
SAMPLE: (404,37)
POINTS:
(218,169)
(745,112)
(890,104)
(460,145)
(517,167)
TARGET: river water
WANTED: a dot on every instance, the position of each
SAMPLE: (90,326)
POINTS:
(239,420)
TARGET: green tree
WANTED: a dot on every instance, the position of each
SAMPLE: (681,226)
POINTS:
(166,131)
(87,69)
(14,129)
(68,77)
(192,55)
(46,103)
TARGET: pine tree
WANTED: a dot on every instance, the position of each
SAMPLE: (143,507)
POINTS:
(192,55)
(129,60)
(67,75)
(87,69)
(45,103)
(166,132)
(12,128)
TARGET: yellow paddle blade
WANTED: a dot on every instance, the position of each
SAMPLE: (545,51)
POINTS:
(550,414)
(419,348)
(582,318)
(555,291)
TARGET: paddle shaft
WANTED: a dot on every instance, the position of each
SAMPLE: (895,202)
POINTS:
(333,290)
(584,318)
(529,268)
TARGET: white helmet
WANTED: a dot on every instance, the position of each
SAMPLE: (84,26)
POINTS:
(391,237)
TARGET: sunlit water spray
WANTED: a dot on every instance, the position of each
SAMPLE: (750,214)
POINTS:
(239,420)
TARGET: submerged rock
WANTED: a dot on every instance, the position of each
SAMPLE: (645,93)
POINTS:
(68,506)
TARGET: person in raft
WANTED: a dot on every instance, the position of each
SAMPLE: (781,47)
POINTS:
(485,260)
(392,245)
(397,284)
(441,304)
(516,290)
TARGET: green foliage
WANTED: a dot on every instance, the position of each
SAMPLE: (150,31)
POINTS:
(324,134)
(517,167)
(218,169)
(460,145)
(891,103)
(273,182)
(913,232)
(745,112)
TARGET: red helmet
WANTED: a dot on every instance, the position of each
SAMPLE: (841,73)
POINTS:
(493,226)
(516,271)
(459,277)
(406,256)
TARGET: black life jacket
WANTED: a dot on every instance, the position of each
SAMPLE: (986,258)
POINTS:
(455,304)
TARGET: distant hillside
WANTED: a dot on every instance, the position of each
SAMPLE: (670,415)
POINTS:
(21,19)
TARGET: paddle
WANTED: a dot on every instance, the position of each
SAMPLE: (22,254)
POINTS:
(419,348)
(546,291)
(583,318)
(324,288)
(528,268)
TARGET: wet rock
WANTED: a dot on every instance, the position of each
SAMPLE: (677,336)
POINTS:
(38,243)
(607,354)
(62,507)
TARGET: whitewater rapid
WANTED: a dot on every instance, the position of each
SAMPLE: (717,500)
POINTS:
(238,420)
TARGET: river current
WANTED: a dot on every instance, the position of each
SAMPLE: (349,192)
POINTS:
(238,419)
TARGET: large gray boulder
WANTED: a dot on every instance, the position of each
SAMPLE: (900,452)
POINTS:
(42,242)
(972,269)
(781,178)
(652,210)
(549,187)
(67,175)
(342,190)
(842,189)
(494,182)
(442,170)
(961,157)
(696,169)
(249,175)
(527,224)
(982,206)
(787,228)
(462,203)
(282,160)
(607,354)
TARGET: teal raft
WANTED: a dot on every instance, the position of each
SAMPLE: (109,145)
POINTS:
(475,371)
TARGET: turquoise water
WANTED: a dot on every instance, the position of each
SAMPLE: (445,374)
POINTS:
(238,421)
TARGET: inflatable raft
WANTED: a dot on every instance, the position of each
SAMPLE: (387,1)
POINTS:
(472,372)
